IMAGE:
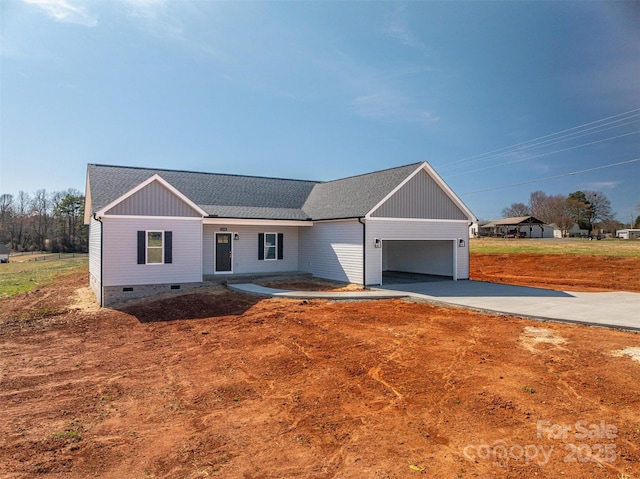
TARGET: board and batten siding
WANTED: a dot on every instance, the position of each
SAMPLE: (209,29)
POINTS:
(245,249)
(392,229)
(95,259)
(332,250)
(120,251)
(420,197)
(154,199)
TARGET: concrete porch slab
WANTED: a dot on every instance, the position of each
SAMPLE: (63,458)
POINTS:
(255,289)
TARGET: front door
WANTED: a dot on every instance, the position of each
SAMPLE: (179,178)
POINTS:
(223,252)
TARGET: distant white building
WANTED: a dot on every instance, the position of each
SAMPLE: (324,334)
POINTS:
(515,227)
(474,230)
(628,234)
(574,232)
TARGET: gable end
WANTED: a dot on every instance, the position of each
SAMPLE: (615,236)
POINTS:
(154,199)
(421,197)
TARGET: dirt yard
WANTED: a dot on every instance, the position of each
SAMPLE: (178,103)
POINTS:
(217,384)
(561,272)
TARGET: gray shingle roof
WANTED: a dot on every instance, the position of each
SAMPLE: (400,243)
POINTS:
(236,196)
(354,196)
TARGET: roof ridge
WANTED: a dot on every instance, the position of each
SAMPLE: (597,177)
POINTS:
(374,172)
(203,173)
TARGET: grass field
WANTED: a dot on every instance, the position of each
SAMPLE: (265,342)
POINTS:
(21,277)
(569,246)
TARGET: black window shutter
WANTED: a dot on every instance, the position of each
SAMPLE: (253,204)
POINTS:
(280,245)
(260,246)
(141,247)
(168,247)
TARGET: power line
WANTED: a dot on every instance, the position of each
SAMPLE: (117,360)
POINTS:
(546,154)
(569,137)
(553,177)
(522,144)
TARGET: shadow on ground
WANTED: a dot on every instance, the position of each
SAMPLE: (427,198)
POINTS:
(191,306)
(475,289)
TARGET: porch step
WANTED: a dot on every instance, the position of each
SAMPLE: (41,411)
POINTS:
(248,278)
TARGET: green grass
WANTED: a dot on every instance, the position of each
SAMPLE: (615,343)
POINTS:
(16,278)
(572,246)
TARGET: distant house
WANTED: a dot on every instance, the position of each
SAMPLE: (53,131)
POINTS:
(4,254)
(155,230)
(516,227)
(628,234)
(474,230)
(573,232)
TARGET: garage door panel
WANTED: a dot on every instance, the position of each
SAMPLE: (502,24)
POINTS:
(425,257)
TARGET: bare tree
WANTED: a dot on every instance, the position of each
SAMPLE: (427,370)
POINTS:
(40,212)
(599,208)
(20,236)
(516,209)
(6,217)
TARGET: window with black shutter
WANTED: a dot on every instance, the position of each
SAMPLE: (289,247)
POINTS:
(155,247)
(270,246)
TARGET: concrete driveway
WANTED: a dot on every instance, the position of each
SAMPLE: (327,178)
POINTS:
(617,309)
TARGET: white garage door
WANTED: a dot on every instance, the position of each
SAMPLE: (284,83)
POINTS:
(434,257)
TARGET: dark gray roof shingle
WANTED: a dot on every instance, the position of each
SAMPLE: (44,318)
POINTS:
(355,196)
(236,196)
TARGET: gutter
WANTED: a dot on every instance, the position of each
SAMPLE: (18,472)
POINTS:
(101,257)
(364,252)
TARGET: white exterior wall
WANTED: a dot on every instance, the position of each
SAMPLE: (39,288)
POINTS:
(332,250)
(536,232)
(121,245)
(95,258)
(245,249)
(407,229)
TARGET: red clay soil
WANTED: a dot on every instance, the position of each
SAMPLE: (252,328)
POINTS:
(560,272)
(218,384)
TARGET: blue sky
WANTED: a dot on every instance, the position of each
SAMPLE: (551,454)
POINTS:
(322,90)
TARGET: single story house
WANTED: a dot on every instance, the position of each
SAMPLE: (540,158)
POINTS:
(628,233)
(153,230)
(573,232)
(474,230)
(519,226)
(4,254)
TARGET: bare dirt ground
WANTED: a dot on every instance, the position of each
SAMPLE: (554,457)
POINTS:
(315,285)
(218,384)
(560,272)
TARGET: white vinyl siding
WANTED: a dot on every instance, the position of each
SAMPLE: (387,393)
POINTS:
(332,250)
(95,263)
(121,247)
(245,249)
(389,229)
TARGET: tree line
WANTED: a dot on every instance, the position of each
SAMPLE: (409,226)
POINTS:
(588,209)
(43,221)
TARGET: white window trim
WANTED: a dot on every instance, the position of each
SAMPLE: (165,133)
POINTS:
(146,246)
(275,247)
